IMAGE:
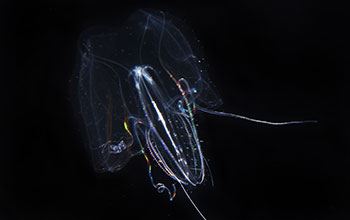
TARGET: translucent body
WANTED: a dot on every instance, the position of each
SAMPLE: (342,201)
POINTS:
(143,80)
(139,87)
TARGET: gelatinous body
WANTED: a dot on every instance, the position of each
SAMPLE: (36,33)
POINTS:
(139,88)
(144,72)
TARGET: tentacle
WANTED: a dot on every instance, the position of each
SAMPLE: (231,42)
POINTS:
(252,119)
(194,205)
(159,186)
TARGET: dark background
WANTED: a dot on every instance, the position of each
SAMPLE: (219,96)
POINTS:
(277,60)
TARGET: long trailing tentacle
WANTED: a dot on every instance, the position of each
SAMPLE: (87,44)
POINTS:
(194,205)
(225,114)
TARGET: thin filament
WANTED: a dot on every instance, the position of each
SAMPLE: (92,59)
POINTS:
(225,114)
(194,205)
(159,186)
